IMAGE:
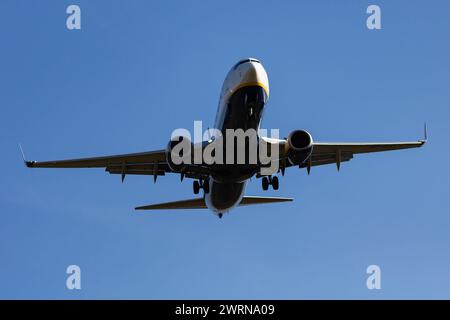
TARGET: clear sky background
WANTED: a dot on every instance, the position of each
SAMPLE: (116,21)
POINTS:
(139,69)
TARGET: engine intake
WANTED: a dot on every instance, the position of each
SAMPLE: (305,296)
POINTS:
(179,153)
(300,140)
(300,144)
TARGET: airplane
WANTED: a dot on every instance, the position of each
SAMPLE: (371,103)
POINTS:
(243,100)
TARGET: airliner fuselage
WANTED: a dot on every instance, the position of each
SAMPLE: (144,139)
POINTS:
(243,97)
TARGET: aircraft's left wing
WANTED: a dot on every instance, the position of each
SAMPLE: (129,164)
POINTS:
(335,152)
(338,152)
(362,147)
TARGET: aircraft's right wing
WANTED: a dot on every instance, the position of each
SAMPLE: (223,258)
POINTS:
(144,163)
(106,161)
(152,163)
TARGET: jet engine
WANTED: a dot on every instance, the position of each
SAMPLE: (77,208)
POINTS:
(300,146)
(179,152)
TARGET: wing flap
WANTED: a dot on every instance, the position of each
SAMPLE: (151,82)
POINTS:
(158,169)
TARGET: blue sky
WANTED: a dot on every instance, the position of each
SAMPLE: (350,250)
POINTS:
(138,70)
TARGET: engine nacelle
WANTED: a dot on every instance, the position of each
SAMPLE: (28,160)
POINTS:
(179,153)
(300,146)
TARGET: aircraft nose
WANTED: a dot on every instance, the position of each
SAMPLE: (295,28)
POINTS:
(248,67)
(254,72)
(246,61)
(247,72)
(252,67)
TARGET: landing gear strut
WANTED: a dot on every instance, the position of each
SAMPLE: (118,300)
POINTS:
(202,184)
(273,181)
(251,109)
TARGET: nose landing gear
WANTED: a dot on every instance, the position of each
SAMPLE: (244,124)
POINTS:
(200,184)
(273,181)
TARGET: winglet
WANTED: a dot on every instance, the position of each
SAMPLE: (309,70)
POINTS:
(425,131)
(425,134)
(29,164)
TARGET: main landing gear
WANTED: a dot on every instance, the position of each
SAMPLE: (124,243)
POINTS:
(201,184)
(273,181)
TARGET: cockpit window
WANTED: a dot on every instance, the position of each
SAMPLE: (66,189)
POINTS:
(244,61)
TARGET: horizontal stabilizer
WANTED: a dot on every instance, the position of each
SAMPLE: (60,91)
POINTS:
(246,201)
(199,203)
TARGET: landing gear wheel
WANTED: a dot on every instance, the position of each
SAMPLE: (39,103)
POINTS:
(265,183)
(196,187)
(275,183)
(206,186)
